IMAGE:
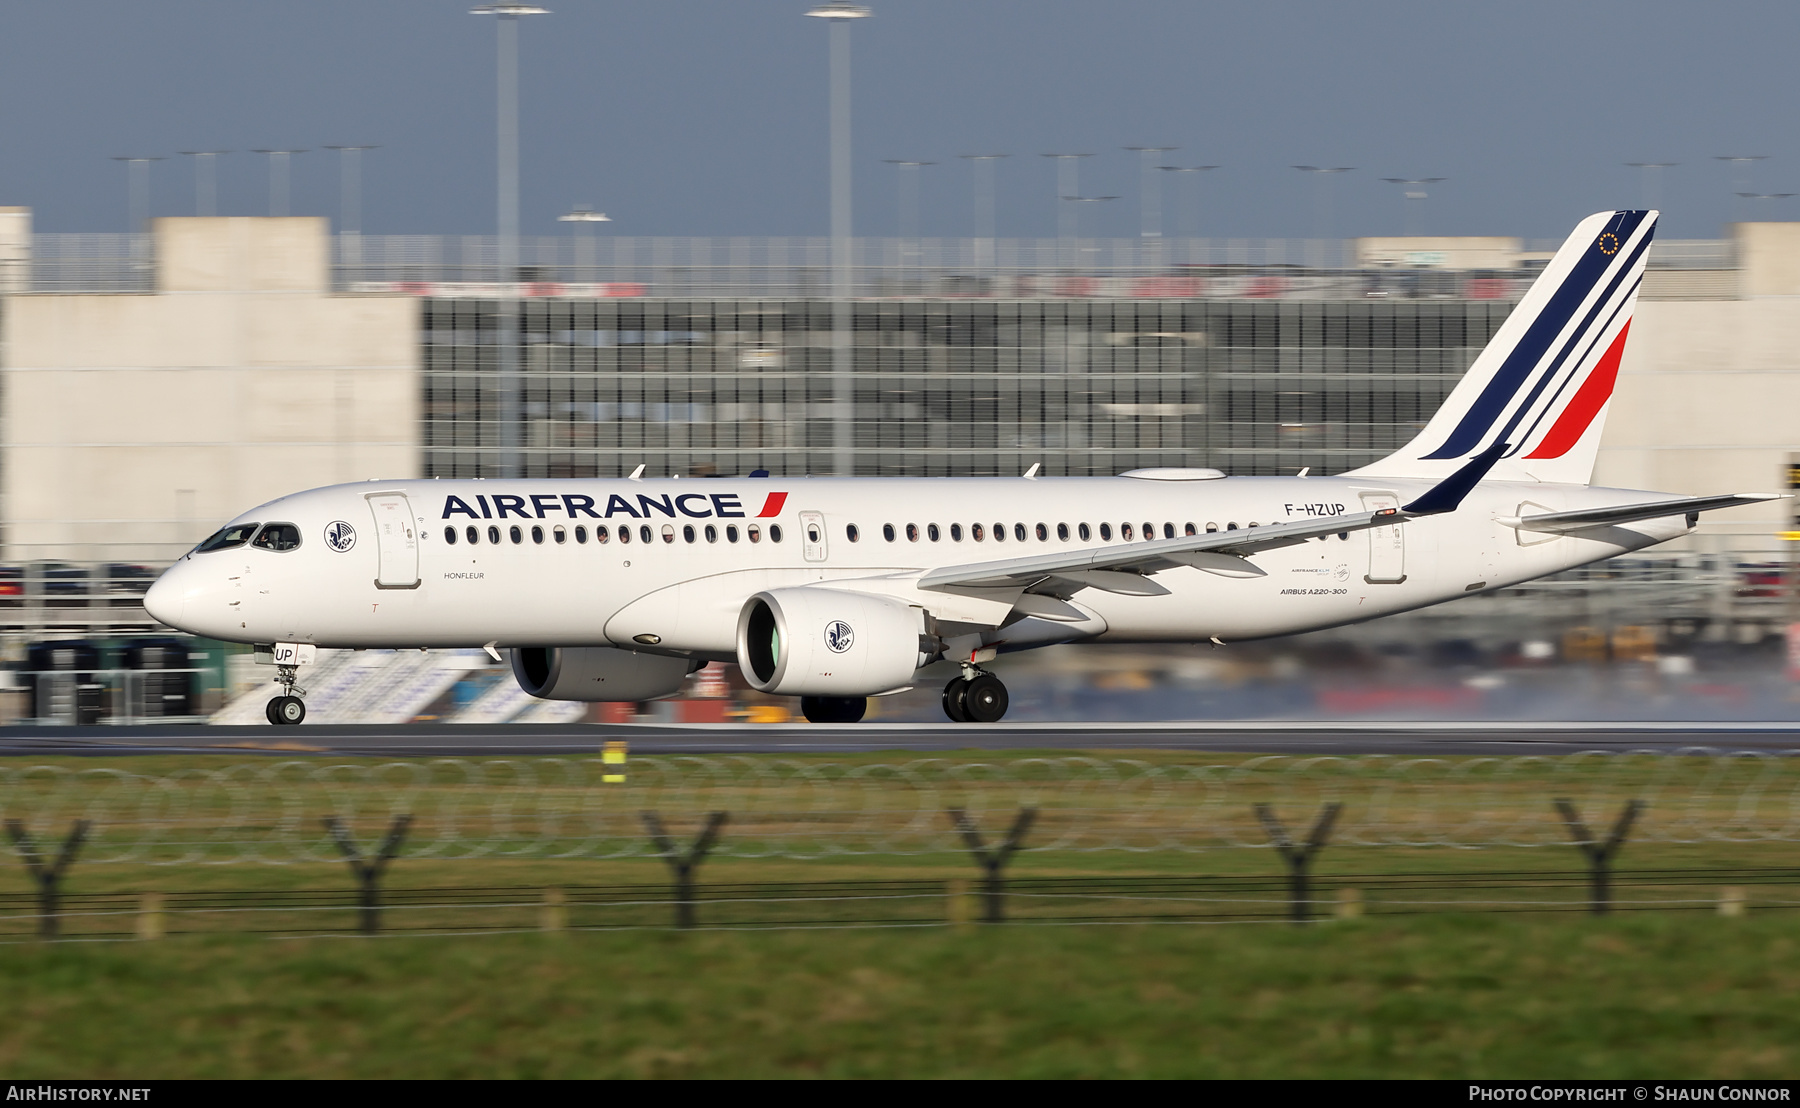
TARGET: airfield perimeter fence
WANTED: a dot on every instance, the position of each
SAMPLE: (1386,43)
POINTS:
(870,843)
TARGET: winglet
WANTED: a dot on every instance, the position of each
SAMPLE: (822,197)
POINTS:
(1448,493)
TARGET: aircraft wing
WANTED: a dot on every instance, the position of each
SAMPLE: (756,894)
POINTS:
(1112,568)
(1564,522)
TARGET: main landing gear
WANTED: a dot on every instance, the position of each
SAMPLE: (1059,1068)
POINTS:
(833,709)
(287,710)
(975,697)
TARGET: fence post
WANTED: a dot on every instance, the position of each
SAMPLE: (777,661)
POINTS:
(1298,858)
(150,916)
(1599,854)
(47,877)
(368,870)
(993,862)
(683,864)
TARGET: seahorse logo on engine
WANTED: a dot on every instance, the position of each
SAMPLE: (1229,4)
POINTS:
(838,636)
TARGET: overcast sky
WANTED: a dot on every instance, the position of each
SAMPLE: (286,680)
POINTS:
(708,117)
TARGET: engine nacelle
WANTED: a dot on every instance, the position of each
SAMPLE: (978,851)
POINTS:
(828,642)
(597,673)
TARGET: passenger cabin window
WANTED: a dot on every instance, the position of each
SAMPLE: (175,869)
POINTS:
(668,533)
(1125,531)
(1169,530)
(1106,532)
(472,533)
(1082,530)
(1043,533)
(602,533)
(931,532)
(887,531)
(493,534)
(1212,528)
(712,533)
(1190,530)
(644,533)
(581,534)
(774,532)
(560,535)
(516,535)
(537,535)
(851,533)
(812,532)
(731,532)
(912,532)
(975,532)
(956,532)
(1019,531)
(281,537)
(755,533)
(224,539)
(999,532)
(625,533)
(450,535)
(1149,531)
(687,532)
(1062,531)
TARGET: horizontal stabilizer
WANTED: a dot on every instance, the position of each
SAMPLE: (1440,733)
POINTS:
(1563,522)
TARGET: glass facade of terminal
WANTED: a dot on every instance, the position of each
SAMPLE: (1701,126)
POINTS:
(945,386)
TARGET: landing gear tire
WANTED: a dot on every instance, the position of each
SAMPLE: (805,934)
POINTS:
(286,711)
(985,700)
(833,709)
(954,700)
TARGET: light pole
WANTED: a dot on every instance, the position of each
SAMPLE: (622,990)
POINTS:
(1413,195)
(838,15)
(278,179)
(206,180)
(1076,219)
(1751,197)
(350,200)
(1068,183)
(1322,175)
(506,36)
(1741,167)
(137,198)
(1652,181)
(1190,209)
(587,217)
(983,165)
(1150,192)
(908,196)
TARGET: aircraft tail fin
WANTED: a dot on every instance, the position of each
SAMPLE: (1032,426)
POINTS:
(1542,385)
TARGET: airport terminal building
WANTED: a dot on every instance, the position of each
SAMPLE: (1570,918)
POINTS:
(154,386)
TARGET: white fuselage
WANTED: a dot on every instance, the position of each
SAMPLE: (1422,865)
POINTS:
(686,590)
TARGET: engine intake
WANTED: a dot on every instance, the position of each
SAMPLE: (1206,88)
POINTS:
(828,642)
(593,673)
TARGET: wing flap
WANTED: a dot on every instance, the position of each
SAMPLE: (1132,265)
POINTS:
(1583,518)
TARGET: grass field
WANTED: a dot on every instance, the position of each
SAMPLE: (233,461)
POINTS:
(1649,995)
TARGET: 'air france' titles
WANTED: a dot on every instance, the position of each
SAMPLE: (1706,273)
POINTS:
(576,506)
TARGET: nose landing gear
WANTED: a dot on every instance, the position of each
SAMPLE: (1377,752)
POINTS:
(975,697)
(287,710)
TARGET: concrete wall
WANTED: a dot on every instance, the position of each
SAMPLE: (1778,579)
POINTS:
(135,424)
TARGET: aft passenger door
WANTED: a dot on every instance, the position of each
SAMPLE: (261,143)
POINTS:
(396,539)
(1387,545)
(812,536)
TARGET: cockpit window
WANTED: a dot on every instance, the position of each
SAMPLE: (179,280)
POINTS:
(237,534)
(278,537)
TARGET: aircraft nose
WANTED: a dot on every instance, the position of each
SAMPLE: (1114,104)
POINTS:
(166,597)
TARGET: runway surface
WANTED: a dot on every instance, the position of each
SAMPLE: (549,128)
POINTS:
(443,741)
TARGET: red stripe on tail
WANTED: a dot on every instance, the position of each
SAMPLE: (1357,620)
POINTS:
(772,506)
(1589,399)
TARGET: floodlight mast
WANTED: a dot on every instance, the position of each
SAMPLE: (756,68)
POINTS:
(1652,180)
(838,14)
(206,180)
(984,206)
(1413,195)
(506,37)
(587,217)
(350,201)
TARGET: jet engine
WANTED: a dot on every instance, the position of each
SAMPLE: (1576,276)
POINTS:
(828,642)
(597,673)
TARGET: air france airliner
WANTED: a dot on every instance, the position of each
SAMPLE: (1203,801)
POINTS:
(842,589)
